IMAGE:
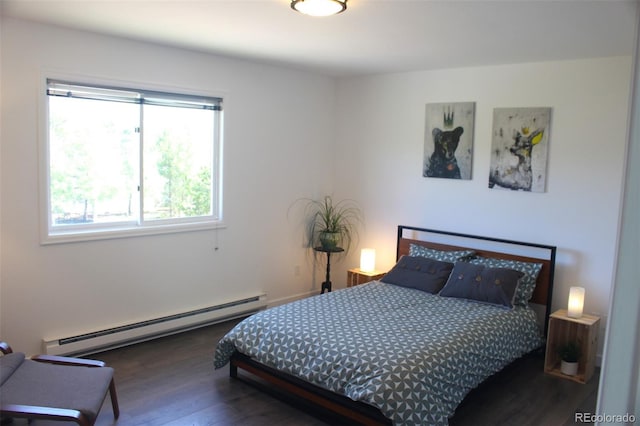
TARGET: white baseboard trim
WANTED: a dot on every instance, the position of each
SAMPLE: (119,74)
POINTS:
(293,298)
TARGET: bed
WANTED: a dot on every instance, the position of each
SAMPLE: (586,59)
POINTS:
(404,350)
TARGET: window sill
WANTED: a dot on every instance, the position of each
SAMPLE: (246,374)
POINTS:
(127,232)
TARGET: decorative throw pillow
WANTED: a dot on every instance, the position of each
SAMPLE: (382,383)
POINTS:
(528,281)
(488,285)
(420,273)
(442,255)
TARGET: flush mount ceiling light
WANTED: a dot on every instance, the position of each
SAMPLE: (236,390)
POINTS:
(319,7)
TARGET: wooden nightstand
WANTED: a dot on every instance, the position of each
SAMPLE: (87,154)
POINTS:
(356,277)
(584,331)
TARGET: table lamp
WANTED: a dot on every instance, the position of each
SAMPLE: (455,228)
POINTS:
(368,260)
(576,302)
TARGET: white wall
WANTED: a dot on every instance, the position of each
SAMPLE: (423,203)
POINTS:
(380,150)
(278,124)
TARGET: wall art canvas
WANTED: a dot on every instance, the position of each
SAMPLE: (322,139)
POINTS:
(448,140)
(519,146)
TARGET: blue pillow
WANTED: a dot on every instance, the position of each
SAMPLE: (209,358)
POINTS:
(496,286)
(528,281)
(420,273)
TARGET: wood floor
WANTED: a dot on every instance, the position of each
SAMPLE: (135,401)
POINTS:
(171,381)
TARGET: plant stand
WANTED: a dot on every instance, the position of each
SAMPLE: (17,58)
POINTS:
(326,285)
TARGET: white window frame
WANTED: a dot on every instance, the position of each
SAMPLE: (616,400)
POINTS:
(53,235)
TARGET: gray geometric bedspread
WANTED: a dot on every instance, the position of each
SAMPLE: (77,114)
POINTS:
(412,354)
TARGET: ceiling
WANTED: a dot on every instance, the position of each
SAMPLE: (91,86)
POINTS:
(370,37)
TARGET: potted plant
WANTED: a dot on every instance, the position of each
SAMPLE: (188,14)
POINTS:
(569,355)
(332,224)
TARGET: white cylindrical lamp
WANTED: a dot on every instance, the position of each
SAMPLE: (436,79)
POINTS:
(576,302)
(368,260)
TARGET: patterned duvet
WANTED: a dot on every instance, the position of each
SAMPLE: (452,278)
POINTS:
(411,354)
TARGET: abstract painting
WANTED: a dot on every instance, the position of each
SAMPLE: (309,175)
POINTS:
(519,146)
(448,140)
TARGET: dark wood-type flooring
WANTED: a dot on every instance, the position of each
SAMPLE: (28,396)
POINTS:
(171,381)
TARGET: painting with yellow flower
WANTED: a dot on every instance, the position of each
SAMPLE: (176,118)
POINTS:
(519,146)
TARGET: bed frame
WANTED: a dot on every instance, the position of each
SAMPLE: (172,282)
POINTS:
(299,392)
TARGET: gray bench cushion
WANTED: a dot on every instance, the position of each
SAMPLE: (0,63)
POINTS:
(8,364)
(60,386)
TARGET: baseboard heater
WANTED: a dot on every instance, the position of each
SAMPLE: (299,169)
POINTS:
(124,335)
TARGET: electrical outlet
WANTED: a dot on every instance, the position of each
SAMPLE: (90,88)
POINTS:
(296,271)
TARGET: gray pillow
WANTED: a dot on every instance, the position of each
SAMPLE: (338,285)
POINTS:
(496,286)
(442,255)
(420,273)
(528,281)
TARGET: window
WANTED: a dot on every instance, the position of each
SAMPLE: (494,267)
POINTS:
(122,160)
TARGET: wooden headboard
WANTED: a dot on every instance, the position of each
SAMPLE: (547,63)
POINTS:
(488,247)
